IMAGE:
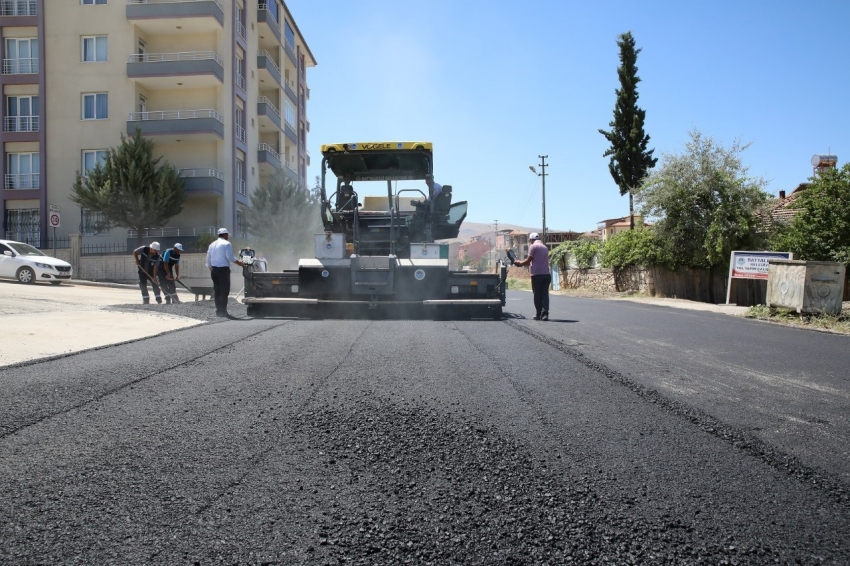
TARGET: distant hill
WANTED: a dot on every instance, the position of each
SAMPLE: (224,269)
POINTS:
(469,230)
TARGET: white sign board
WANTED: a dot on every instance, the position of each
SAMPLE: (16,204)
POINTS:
(751,265)
(54,220)
(54,208)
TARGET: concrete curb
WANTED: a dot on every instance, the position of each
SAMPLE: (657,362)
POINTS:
(87,283)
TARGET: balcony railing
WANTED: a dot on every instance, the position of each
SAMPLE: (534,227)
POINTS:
(21,123)
(265,100)
(269,149)
(180,56)
(173,115)
(264,6)
(240,187)
(22,180)
(18,8)
(240,134)
(264,53)
(290,166)
(171,231)
(201,172)
(217,2)
(240,81)
(20,66)
(240,29)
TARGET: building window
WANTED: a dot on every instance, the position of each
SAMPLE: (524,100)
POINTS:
(271,6)
(240,20)
(21,56)
(21,114)
(289,114)
(96,106)
(91,158)
(143,47)
(94,49)
(240,224)
(143,103)
(22,171)
(93,2)
(93,223)
(24,225)
(240,177)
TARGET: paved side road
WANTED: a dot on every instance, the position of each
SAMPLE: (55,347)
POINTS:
(46,320)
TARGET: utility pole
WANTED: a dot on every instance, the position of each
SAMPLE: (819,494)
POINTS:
(542,175)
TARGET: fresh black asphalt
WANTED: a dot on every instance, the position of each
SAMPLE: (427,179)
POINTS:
(605,436)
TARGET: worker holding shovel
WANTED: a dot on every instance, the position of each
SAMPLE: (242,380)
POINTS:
(170,273)
(148,261)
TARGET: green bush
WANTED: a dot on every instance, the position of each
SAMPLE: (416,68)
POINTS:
(203,242)
(583,252)
(632,247)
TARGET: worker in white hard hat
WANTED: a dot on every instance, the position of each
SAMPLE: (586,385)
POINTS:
(148,261)
(170,272)
(219,258)
(541,278)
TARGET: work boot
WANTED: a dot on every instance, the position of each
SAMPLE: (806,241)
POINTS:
(159,300)
(545,315)
(537,316)
(167,300)
(175,300)
(146,300)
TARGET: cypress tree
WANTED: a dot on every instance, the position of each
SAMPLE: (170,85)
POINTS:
(630,158)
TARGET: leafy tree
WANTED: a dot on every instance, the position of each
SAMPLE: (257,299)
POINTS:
(820,230)
(582,252)
(706,203)
(630,158)
(132,189)
(638,247)
(283,216)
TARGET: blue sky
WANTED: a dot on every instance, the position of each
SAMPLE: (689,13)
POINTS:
(493,84)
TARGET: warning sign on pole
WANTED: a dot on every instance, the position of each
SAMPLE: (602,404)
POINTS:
(54,220)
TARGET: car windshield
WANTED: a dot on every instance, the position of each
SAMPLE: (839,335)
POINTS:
(24,249)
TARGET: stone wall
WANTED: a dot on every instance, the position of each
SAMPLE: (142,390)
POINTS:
(122,267)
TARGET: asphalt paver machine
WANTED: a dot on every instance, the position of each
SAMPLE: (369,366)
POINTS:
(379,255)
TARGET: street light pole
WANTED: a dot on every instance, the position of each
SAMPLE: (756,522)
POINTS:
(542,175)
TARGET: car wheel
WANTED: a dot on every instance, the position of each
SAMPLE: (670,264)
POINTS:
(26,275)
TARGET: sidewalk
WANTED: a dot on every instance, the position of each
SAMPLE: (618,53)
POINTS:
(44,320)
(733,310)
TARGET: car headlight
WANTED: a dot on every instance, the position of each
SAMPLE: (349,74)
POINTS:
(43,265)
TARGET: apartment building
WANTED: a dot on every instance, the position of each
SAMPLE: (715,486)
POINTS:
(220,86)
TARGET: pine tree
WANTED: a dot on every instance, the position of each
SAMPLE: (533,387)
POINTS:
(630,159)
(131,188)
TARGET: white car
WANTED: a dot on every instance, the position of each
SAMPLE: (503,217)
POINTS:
(27,264)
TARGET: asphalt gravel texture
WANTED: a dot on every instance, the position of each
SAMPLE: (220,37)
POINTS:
(388,442)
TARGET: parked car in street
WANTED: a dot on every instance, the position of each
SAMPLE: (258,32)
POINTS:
(27,264)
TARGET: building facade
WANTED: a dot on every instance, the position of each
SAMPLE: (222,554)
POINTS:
(219,86)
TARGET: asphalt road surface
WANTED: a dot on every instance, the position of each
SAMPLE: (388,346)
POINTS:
(616,433)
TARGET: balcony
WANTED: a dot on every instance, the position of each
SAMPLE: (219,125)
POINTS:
(240,30)
(290,92)
(20,66)
(192,69)
(269,27)
(202,182)
(290,52)
(268,69)
(157,17)
(176,126)
(240,134)
(240,81)
(289,130)
(268,115)
(290,170)
(268,159)
(241,187)
(18,8)
(21,123)
(15,181)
